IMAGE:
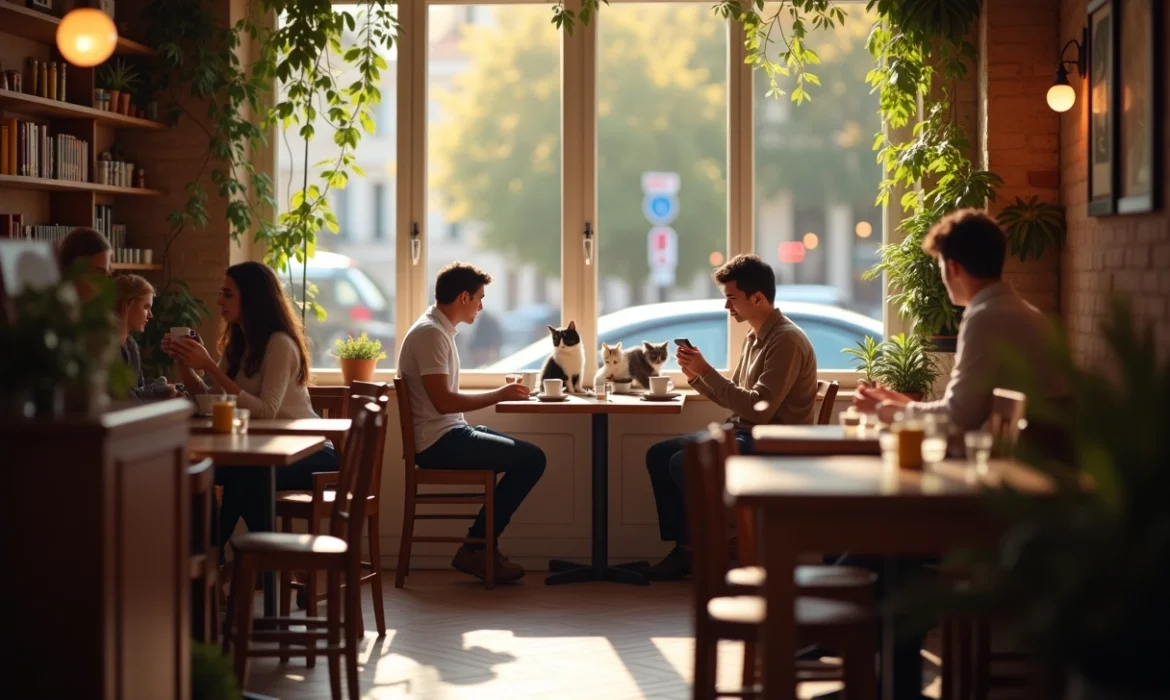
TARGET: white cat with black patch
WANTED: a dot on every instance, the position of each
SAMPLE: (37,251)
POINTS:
(567,361)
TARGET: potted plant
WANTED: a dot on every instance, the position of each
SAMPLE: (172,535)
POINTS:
(902,363)
(212,675)
(1079,578)
(120,78)
(1031,227)
(357,357)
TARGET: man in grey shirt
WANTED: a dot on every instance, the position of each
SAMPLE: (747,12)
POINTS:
(775,381)
(970,248)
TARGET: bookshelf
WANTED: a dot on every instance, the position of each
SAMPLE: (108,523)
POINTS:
(44,201)
(135,267)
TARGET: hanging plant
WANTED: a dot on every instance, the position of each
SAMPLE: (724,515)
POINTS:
(1032,226)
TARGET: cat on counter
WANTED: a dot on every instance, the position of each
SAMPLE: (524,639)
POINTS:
(615,366)
(567,361)
(646,361)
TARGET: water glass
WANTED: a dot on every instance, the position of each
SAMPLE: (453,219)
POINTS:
(888,441)
(934,448)
(978,443)
(240,423)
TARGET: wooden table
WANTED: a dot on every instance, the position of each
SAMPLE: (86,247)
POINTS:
(332,429)
(813,440)
(268,452)
(860,505)
(598,569)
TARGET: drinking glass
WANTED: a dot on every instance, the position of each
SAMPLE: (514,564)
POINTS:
(978,443)
(934,448)
(240,423)
(888,441)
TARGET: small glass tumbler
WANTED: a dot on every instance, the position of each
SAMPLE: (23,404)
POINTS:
(240,423)
(888,441)
(979,444)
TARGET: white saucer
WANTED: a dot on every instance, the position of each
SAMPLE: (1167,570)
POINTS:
(670,395)
(552,399)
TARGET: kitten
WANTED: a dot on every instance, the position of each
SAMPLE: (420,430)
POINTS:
(646,362)
(615,367)
(567,361)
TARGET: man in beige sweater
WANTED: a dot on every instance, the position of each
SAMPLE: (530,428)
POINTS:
(775,381)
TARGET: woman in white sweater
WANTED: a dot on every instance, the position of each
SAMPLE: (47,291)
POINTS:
(264,361)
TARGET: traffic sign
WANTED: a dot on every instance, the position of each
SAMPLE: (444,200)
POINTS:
(662,248)
(664,183)
(660,209)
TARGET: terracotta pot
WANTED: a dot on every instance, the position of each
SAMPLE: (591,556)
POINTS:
(125,103)
(357,370)
(114,95)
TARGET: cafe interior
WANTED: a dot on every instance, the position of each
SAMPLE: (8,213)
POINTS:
(992,565)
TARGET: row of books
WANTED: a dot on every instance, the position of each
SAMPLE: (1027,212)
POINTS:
(13,226)
(28,149)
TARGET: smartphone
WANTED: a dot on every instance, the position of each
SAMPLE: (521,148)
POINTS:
(683,343)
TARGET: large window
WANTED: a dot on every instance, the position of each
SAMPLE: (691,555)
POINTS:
(501,142)
(494,169)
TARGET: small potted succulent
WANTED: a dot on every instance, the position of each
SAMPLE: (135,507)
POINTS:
(120,78)
(357,357)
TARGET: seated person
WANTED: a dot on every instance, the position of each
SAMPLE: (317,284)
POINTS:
(84,244)
(970,247)
(775,381)
(264,361)
(429,364)
(135,297)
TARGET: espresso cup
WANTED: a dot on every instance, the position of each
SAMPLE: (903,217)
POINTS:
(530,379)
(553,387)
(512,378)
(178,332)
(660,385)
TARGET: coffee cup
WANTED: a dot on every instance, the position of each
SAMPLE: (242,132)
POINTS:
(623,386)
(661,385)
(512,378)
(553,387)
(178,332)
(530,379)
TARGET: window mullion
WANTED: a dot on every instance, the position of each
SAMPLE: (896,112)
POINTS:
(740,166)
(410,176)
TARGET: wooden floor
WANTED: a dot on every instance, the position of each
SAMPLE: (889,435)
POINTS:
(448,637)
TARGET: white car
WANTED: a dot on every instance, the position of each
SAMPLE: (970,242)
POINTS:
(704,323)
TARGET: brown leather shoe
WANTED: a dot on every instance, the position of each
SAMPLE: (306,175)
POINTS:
(474,563)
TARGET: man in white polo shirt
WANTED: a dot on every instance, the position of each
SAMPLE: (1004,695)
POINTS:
(429,362)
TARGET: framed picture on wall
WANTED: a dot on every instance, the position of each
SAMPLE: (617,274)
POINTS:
(1102,140)
(1139,106)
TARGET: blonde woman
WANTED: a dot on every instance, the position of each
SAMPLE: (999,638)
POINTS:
(135,297)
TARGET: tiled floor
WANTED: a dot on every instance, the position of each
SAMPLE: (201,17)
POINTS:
(449,638)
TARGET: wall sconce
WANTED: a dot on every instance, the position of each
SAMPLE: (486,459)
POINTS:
(86,37)
(1062,96)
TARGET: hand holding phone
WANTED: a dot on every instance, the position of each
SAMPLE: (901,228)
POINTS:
(683,343)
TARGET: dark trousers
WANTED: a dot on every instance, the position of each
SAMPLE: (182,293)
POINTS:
(664,461)
(245,489)
(907,647)
(479,447)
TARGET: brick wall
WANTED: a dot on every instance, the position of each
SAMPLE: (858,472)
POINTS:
(1019,134)
(1127,256)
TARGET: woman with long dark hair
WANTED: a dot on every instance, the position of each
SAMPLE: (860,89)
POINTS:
(264,361)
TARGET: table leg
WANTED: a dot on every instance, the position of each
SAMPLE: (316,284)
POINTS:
(890,573)
(779,631)
(598,569)
(269,577)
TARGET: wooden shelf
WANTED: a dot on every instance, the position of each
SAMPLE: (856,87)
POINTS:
(42,107)
(47,185)
(42,28)
(135,266)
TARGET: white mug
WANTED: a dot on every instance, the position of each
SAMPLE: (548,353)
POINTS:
(553,387)
(178,332)
(529,379)
(660,385)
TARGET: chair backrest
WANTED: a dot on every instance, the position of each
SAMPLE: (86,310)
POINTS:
(827,395)
(706,515)
(329,401)
(201,476)
(355,477)
(406,421)
(361,393)
(1006,419)
(743,517)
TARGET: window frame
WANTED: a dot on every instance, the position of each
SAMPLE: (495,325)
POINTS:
(579,281)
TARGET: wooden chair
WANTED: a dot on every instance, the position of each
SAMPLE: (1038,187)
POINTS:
(416,477)
(719,614)
(827,395)
(314,506)
(204,568)
(338,554)
(330,401)
(1006,419)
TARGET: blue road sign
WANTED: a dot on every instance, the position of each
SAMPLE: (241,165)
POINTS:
(660,209)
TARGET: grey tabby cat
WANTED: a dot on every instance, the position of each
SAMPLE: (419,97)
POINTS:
(646,362)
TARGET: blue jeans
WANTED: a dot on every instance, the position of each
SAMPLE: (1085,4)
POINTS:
(664,461)
(480,447)
(245,489)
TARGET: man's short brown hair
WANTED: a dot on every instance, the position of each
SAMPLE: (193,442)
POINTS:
(971,238)
(750,273)
(457,278)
